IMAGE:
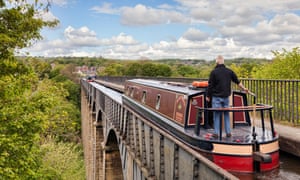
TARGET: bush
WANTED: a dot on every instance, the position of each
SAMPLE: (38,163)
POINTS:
(62,161)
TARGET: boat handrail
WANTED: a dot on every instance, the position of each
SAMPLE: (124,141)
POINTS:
(255,107)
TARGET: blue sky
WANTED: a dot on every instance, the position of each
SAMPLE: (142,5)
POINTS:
(185,29)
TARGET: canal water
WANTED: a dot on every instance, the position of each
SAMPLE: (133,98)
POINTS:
(289,170)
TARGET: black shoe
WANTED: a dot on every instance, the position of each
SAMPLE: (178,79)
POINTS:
(228,135)
(215,136)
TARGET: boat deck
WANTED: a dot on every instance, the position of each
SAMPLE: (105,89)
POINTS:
(240,134)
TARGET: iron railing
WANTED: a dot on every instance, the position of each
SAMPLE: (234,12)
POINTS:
(283,95)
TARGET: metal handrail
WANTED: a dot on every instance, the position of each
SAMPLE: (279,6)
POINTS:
(254,108)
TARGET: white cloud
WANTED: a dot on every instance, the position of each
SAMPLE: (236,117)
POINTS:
(81,37)
(233,28)
(195,35)
(286,23)
(106,8)
(78,40)
(60,2)
(141,15)
(55,2)
(48,16)
(122,38)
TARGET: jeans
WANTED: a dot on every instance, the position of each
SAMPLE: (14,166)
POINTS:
(219,102)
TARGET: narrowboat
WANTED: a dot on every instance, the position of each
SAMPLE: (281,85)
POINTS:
(181,110)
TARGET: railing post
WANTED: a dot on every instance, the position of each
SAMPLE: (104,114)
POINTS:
(271,122)
(198,121)
(262,120)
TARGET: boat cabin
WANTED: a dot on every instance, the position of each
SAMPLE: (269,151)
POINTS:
(179,102)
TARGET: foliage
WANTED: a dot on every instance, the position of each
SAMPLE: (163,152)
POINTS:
(165,67)
(65,75)
(32,107)
(187,71)
(144,68)
(246,69)
(204,71)
(61,161)
(73,90)
(62,121)
(163,70)
(12,67)
(20,121)
(179,68)
(113,69)
(68,72)
(133,69)
(41,68)
(24,108)
(20,25)
(79,61)
(285,65)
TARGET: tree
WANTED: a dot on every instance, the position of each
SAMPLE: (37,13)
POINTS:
(244,70)
(20,25)
(61,161)
(26,105)
(68,71)
(285,65)
(164,70)
(132,69)
(187,71)
(23,106)
(62,121)
(29,108)
(113,69)
(148,69)
(41,68)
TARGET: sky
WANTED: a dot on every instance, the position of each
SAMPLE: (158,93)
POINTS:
(178,29)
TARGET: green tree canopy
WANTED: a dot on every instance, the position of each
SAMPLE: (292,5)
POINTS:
(61,161)
(113,69)
(24,108)
(20,25)
(285,65)
(164,70)
(24,105)
(133,69)
(187,71)
(148,69)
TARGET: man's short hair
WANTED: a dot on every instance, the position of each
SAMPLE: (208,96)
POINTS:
(220,59)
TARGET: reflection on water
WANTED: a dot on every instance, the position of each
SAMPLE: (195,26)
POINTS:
(288,170)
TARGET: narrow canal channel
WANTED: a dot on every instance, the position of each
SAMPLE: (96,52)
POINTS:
(289,170)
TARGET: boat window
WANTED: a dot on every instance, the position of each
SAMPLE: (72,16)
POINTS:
(157,102)
(127,90)
(144,97)
(131,91)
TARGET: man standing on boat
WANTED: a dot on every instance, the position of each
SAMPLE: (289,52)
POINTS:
(219,90)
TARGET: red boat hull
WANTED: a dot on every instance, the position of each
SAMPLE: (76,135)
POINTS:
(245,164)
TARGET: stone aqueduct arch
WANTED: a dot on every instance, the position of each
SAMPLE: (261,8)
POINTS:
(101,151)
